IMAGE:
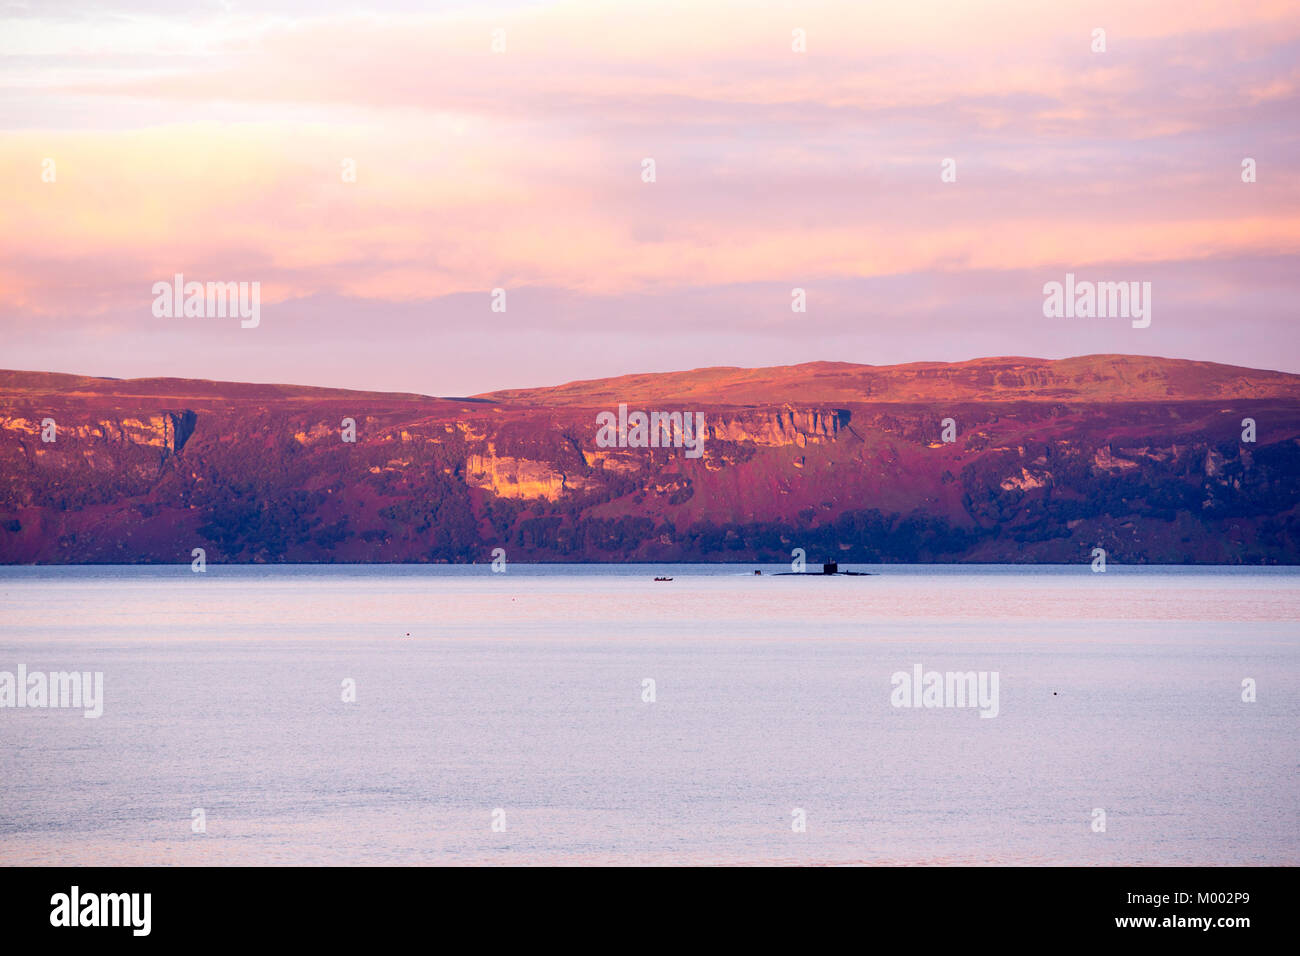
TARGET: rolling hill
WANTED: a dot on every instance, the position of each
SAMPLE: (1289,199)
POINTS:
(1048,459)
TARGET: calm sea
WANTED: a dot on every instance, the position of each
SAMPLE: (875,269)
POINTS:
(521,700)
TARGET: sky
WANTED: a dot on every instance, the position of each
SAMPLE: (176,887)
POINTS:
(380,169)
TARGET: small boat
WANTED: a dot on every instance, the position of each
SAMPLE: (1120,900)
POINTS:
(663,579)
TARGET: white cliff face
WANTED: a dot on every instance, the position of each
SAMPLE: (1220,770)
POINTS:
(1027,480)
(507,476)
(520,476)
(786,426)
(1106,460)
(1213,463)
(155,431)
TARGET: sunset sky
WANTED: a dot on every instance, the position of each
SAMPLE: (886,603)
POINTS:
(208,138)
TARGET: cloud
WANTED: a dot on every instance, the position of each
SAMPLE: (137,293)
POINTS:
(211,143)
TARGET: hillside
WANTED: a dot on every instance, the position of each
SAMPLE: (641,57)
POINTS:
(1142,456)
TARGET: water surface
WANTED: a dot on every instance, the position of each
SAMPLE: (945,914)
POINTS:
(523,692)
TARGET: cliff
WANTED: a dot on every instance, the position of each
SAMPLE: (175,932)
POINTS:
(1049,459)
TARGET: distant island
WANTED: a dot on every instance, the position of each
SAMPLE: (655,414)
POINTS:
(991,460)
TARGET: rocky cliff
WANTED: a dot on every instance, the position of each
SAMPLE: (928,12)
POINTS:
(1003,459)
